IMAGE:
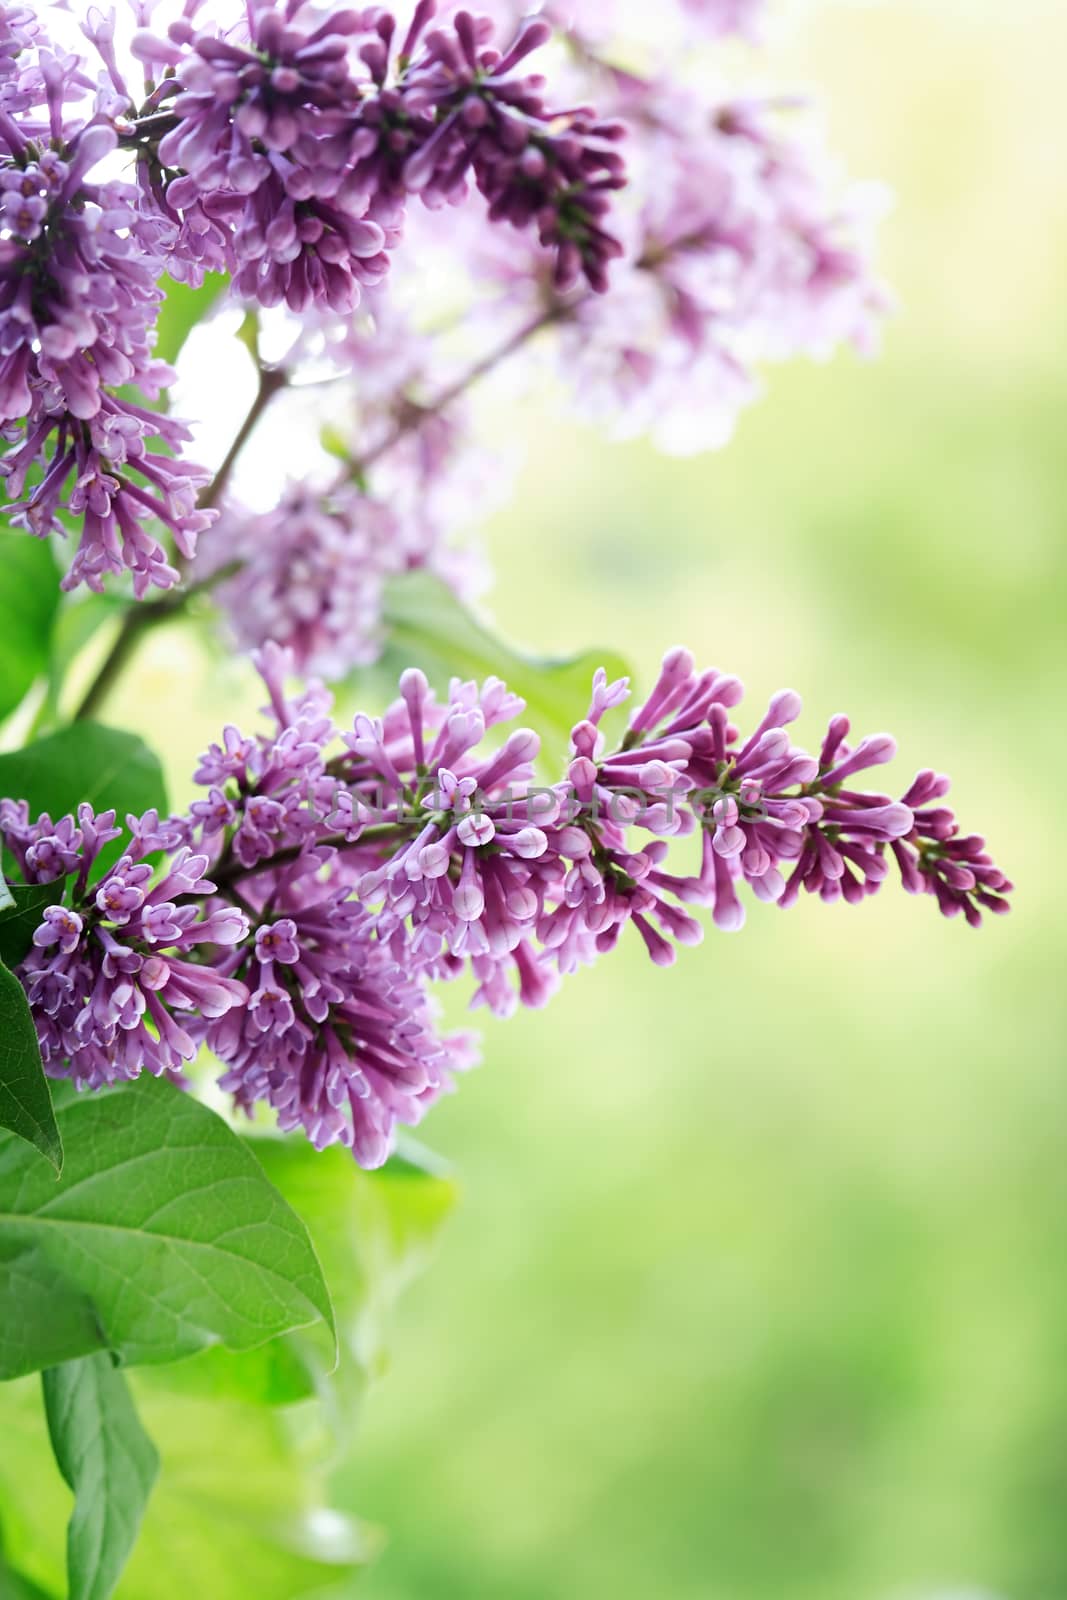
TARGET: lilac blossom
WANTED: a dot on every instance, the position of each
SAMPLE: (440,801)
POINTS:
(336,1034)
(311,575)
(328,876)
(292,153)
(78,300)
(119,966)
(282,149)
(718,17)
(744,251)
(742,246)
(257,154)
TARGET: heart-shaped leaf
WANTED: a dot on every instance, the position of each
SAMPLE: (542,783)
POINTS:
(164,1236)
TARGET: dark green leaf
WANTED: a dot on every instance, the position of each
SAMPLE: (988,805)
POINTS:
(182,308)
(430,628)
(164,1236)
(85,762)
(25,1103)
(21,916)
(108,1461)
(29,596)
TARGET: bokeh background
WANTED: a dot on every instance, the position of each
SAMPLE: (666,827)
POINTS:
(758,1289)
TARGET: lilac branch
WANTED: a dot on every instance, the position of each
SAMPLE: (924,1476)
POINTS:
(141,619)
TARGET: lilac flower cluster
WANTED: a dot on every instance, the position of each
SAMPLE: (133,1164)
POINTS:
(741,247)
(281,142)
(109,969)
(311,573)
(327,877)
(78,300)
(742,253)
(281,149)
(294,159)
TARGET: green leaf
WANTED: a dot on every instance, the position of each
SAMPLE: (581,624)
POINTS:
(373,1232)
(163,1237)
(110,1463)
(25,1103)
(29,597)
(240,1508)
(21,916)
(430,628)
(7,899)
(242,1490)
(85,762)
(183,307)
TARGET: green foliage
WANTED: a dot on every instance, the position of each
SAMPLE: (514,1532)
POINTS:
(430,628)
(29,597)
(20,914)
(242,1492)
(373,1232)
(164,1236)
(85,762)
(240,1508)
(108,1461)
(183,307)
(25,1103)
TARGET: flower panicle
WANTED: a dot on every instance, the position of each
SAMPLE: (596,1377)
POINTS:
(328,876)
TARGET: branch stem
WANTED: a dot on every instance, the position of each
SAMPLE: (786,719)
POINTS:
(142,618)
(415,416)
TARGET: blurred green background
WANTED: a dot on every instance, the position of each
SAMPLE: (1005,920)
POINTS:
(759,1283)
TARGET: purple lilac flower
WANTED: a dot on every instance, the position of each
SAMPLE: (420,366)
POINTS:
(293,153)
(744,251)
(117,969)
(327,877)
(258,149)
(337,1035)
(718,17)
(741,247)
(311,576)
(457,107)
(935,858)
(78,300)
(19,33)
